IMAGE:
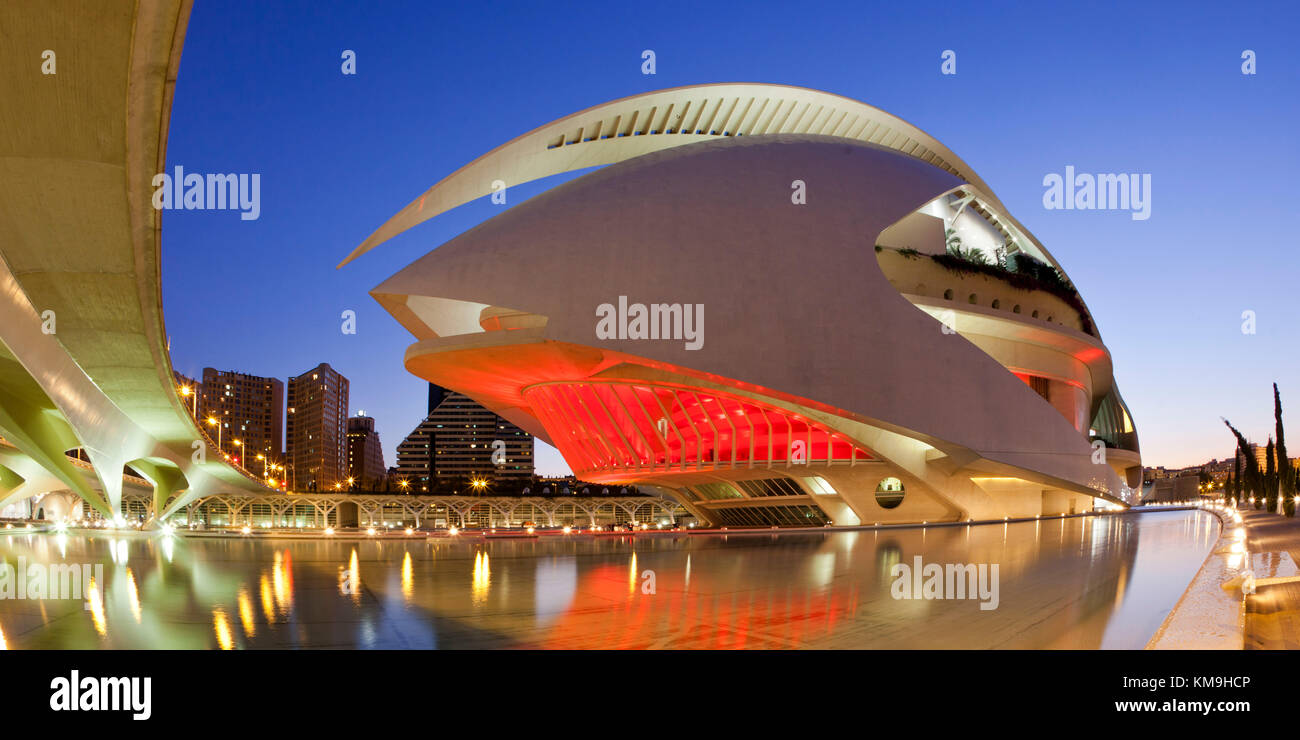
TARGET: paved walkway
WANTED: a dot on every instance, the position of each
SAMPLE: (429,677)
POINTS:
(1273,612)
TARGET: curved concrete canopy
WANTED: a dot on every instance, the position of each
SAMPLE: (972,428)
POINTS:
(639,124)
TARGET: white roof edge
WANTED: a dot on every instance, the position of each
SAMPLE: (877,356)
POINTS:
(621,129)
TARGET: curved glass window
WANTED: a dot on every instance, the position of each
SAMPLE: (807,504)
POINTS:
(889,493)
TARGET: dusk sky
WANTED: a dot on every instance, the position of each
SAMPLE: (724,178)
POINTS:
(1100,87)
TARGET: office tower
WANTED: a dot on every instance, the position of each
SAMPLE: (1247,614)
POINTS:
(317,430)
(365,456)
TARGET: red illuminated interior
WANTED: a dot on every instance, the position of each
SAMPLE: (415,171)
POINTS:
(627,426)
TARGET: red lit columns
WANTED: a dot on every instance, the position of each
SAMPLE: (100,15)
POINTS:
(608,430)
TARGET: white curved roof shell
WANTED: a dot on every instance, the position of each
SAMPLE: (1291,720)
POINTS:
(636,125)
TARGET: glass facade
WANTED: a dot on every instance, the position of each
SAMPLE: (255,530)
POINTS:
(791,515)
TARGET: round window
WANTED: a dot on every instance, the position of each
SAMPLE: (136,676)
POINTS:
(889,493)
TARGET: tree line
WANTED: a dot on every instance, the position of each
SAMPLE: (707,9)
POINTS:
(1276,484)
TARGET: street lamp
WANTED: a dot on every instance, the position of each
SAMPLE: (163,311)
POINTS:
(240,445)
(212,422)
(280,468)
(187,392)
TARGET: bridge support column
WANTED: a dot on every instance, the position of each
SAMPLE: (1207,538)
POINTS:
(44,440)
(166,482)
(197,490)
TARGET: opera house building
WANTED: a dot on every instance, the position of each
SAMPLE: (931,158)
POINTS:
(780,306)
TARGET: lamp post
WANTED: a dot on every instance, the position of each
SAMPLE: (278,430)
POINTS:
(189,393)
(279,468)
(212,422)
(240,444)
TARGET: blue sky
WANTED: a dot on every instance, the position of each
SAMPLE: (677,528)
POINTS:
(1104,87)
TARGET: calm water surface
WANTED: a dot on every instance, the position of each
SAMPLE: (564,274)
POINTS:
(1087,582)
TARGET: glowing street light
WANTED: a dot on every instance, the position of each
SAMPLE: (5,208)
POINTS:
(188,392)
(212,422)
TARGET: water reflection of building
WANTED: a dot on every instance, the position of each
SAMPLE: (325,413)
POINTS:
(1083,582)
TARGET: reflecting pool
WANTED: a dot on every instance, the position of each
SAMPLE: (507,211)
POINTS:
(1084,582)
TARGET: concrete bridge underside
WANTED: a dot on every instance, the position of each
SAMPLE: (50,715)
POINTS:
(83,348)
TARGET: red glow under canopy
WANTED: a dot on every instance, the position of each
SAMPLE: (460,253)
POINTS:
(605,427)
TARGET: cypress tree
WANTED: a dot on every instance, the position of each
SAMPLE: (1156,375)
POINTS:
(1270,476)
(1235,477)
(1285,471)
(1254,485)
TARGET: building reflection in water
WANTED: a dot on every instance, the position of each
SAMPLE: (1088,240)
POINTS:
(482,577)
(221,627)
(1070,583)
(408,578)
(133,595)
(95,599)
(247,617)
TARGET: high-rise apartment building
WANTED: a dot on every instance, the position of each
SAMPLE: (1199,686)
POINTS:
(413,468)
(250,410)
(459,441)
(365,457)
(317,430)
